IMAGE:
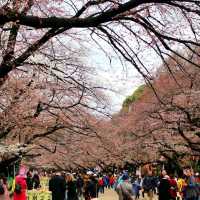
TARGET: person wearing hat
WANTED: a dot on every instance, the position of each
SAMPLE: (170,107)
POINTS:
(124,189)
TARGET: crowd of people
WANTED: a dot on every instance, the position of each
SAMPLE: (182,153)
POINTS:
(72,186)
(87,186)
(184,186)
(16,187)
(64,186)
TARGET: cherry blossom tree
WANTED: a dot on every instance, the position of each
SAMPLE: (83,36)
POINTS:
(45,86)
(164,27)
(42,114)
(159,126)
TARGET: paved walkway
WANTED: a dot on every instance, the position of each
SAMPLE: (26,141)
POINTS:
(108,195)
(112,195)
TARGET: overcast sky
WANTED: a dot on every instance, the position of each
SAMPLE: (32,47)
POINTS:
(114,77)
(123,79)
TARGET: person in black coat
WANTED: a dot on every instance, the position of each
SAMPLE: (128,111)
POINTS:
(164,187)
(29,180)
(71,187)
(79,185)
(57,185)
(91,188)
(36,180)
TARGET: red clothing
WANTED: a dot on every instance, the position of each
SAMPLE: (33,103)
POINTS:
(173,188)
(22,181)
(100,182)
(112,180)
(197,180)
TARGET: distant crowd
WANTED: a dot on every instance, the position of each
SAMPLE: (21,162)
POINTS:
(183,186)
(88,185)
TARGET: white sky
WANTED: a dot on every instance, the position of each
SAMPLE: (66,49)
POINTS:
(114,77)
(122,79)
(125,81)
(118,80)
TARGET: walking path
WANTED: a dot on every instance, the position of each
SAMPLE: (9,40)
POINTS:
(112,195)
(108,195)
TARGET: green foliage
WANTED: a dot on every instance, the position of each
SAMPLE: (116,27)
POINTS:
(134,97)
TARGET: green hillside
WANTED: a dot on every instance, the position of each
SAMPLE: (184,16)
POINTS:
(134,97)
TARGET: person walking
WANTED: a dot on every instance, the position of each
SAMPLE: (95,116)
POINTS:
(29,180)
(180,185)
(137,187)
(173,187)
(106,181)
(57,185)
(190,191)
(20,186)
(164,187)
(79,185)
(91,189)
(36,180)
(4,193)
(101,185)
(111,181)
(71,188)
(148,185)
(124,189)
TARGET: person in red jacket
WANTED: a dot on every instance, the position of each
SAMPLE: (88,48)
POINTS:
(20,181)
(101,185)
(111,181)
(20,185)
(173,187)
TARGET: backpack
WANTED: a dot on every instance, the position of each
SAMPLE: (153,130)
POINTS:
(18,188)
(2,191)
